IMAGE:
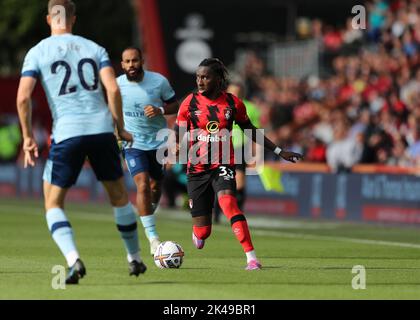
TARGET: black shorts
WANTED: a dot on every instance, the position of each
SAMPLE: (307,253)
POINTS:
(66,159)
(202,188)
(240,167)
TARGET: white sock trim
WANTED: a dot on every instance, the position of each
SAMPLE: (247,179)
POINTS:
(251,255)
(72,257)
(134,256)
(153,239)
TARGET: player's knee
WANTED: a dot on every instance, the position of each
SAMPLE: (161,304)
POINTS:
(202,232)
(118,196)
(229,206)
(54,198)
(143,186)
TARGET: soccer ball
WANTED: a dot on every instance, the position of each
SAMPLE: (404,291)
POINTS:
(169,254)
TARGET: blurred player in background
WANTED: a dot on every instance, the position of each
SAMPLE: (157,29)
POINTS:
(237,88)
(71,69)
(208,116)
(147,97)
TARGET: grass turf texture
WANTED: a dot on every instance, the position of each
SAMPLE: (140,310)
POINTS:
(301,259)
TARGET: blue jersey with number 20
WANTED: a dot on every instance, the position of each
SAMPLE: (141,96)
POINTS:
(68,67)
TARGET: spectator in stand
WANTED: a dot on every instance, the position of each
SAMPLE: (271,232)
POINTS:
(332,39)
(376,87)
(399,156)
(350,35)
(316,151)
(343,153)
(288,140)
(414,149)
(377,18)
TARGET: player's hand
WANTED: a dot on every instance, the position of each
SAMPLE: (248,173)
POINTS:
(151,111)
(291,156)
(30,148)
(126,136)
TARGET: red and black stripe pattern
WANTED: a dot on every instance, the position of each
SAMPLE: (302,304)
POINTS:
(210,122)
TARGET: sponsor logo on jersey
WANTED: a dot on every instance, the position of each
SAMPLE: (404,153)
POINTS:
(209,138)
(212,127)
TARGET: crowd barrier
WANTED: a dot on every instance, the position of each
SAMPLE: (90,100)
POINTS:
(368,193)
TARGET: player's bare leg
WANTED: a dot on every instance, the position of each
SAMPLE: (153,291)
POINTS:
(229,205)
(126,220)
(54,196)
(201,230)
(117,193)
(144,194)
(61,231)
(145,209)
(156,190)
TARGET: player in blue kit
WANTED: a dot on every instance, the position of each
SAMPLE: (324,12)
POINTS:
(147,97)
(71,69)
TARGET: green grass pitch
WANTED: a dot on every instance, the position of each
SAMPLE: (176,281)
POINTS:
(301,259)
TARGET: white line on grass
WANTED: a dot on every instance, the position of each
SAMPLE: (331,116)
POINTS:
(268,223)
(342,239)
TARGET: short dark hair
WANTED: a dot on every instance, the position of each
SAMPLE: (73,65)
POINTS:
(134,48)
(68,5)
(218,67)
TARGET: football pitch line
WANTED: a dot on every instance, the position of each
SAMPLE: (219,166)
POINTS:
(269,223)
(342,239)
(255,223)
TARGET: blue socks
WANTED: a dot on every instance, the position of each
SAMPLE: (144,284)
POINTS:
(62,234)
(149,224)
(126,221)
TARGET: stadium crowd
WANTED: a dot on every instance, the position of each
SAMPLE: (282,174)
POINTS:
(367,110)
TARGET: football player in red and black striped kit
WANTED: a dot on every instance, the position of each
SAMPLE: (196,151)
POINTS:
(208,116)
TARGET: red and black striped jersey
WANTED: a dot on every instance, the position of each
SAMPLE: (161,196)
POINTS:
(209,125)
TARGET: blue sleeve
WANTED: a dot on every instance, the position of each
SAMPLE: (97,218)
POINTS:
(30,65)
(103,58)
(167,93)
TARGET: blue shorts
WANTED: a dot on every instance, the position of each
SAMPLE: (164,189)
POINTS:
(66,159)
(139,161)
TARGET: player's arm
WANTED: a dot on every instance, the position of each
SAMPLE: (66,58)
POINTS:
(267,143)
(167,94)
(107,75)
(24,108)
(171,107)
